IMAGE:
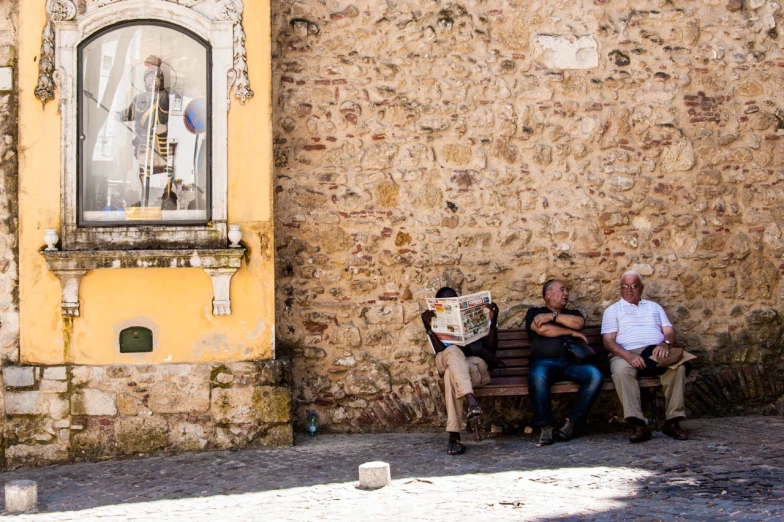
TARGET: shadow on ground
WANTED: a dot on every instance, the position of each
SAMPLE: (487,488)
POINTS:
(728,462)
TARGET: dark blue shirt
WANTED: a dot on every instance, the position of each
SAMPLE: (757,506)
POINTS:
(547,347)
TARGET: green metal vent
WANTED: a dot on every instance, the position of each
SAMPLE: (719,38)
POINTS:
(136,339)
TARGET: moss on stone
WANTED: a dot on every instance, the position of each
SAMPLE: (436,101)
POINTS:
(214,376)
(272,404)
(141,435)
(23,429)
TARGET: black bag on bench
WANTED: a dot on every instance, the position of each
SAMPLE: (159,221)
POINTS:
(579,351)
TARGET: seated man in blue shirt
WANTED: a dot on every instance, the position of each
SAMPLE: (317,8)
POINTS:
(628,327)
(551,329)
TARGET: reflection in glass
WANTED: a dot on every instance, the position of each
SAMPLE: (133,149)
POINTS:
(144,127)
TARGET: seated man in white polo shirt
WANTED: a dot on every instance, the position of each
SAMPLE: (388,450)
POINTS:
(628,327)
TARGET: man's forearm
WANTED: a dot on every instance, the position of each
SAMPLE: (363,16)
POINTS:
(438,346)
(614,348)
(490,341)
(554,330)
(573,322)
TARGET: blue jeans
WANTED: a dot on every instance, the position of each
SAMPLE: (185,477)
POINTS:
(546,372)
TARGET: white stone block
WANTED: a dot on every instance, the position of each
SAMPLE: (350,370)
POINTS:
(175,369)
(6,78)
(23,403)
(55,373)
(566,51)
(18,376)
(374,475)
(59,408)
(91,401)
(21,496)
(171,397)
(53,386)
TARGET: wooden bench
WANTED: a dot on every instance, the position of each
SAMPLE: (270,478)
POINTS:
(514,349)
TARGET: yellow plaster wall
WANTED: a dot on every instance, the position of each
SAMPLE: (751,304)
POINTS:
(177,301)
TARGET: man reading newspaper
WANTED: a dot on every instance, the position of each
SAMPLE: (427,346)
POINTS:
(461,357)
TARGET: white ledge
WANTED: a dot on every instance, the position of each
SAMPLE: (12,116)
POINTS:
(70,265)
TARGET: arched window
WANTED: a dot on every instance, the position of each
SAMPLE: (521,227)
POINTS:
(144,91)
(144,97)
(144,133)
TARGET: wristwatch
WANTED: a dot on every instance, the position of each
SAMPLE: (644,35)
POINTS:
(555,314)
(667,342)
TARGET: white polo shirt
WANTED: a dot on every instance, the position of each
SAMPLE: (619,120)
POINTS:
(637,326)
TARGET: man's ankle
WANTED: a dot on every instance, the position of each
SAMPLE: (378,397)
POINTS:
(547,436)
(566,432)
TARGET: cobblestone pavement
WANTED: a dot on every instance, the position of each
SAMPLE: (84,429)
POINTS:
(730,469)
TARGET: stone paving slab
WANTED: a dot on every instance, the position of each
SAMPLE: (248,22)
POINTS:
(731,469)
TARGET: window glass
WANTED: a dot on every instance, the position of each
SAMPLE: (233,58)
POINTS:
(144,127)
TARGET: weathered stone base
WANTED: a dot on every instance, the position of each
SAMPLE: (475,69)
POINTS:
(710,390)
(71,413)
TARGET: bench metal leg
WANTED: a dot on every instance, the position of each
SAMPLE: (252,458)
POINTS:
(658,404)
(475,429)
(653,405)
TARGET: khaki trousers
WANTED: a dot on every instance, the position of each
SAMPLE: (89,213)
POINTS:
(624,376)
(461,375)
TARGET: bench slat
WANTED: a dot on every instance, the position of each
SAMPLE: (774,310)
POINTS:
(500,372)
(512,354)
(510,345)
(510,386)
(517,362)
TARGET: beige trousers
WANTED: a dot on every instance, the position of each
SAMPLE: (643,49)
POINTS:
(624,376)
(461,375)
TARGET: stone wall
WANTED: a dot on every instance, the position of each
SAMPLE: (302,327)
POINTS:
(9,300)
(9,318)
(67,413)
(493,145)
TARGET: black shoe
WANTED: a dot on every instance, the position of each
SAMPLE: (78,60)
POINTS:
(674,430)
(455,448)
(546,438)
(567,430)
(640,434)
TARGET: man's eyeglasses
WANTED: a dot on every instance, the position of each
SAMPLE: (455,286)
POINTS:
(633,286)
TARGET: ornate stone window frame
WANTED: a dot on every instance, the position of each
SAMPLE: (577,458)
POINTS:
(69,34)
(218,22)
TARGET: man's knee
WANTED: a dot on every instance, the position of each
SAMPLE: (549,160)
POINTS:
(480,374)
(539,380)
(595,377)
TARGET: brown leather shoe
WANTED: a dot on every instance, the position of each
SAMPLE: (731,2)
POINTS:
(640,434)
(674,430)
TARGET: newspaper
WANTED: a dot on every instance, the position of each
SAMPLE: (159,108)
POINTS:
(460,320)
